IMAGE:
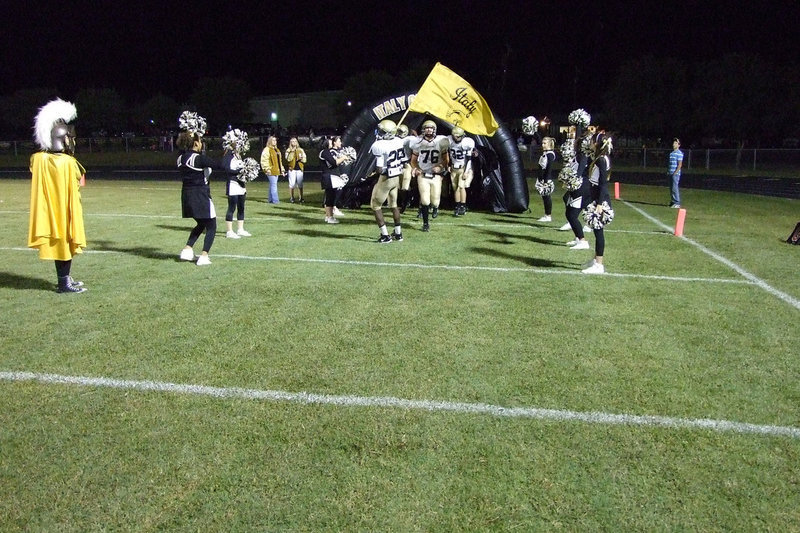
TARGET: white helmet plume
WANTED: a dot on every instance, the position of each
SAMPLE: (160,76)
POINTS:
(50,113)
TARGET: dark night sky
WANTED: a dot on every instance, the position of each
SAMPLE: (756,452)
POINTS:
(143,48)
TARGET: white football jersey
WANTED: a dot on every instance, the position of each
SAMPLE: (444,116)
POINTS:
(461,152)
(389,155)
(429,153)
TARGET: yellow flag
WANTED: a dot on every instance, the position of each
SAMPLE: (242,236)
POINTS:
(447,96)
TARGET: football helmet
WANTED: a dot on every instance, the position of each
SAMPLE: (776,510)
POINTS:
(386,130)
(402,131)
(457,133)
(429,125)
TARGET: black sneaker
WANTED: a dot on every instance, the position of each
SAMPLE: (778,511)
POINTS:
(75,283)
(70,288)
(435,212)
(383,239)
(457,211)
(397,237)
(419,213)
(426,227)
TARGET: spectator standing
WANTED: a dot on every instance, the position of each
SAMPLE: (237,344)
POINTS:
(295,161)
(674,171)
(272,165)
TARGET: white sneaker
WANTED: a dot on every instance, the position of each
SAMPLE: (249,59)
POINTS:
(337,212)
(203,260)
(565,227)
(232,235)
(187,254)
(331,220)
(243,233)
(580,245)
(546,218)
(587,229)
(573,242)
(588,263)
(596,268)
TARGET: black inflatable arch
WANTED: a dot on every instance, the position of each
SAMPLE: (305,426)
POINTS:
(502,186)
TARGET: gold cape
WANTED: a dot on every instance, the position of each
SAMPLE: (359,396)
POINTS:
(55,225)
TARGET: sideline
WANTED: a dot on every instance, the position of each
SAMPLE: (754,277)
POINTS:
(559,415)
(752,278)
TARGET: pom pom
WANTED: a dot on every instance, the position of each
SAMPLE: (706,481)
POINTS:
(192,122)
(236,141)
(568,151)
(595,219)
(545,188)
(568,176)
(350,153)
(580,117)
(529,125)
(249,170)
(587,147)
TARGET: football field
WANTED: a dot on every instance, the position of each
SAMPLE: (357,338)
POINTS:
(470,378)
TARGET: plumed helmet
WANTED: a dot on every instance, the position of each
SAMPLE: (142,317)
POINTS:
(402,131)
(386,129)
(429,124)
(51,129)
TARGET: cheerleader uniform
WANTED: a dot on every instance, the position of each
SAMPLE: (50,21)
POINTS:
(598,192)
(328,159)
(235,188)
(196,200)
(546,161)
(576,200)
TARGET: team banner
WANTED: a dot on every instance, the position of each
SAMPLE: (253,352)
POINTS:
(447,96)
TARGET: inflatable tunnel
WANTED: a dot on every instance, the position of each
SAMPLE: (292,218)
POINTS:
(499,184)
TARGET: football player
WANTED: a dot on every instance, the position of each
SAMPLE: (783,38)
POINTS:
(429,159)
(405,179)
(461,148)
(389,159)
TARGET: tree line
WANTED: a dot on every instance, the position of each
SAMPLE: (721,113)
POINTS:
(741,99)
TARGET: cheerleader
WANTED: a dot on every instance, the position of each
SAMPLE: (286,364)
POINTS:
(599,212)
(330,159)
(577,199)
(544,184)
(236,144)
(195,168)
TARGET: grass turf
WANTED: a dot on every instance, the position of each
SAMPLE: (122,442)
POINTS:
(484,309)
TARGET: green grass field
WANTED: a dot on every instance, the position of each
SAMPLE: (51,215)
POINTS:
(466,379)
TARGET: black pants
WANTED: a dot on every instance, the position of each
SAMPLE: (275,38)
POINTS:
(599,242)
(548,204)
(235,203)
(207,224)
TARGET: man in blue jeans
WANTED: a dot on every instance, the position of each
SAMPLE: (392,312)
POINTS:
(675,166)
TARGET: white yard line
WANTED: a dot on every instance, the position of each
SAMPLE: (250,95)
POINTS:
(422,266)
(558,415)
(752,278)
